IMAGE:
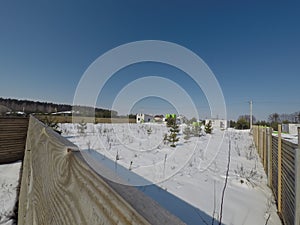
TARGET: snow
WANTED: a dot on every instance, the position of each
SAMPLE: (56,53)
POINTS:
(9,178)
(188,179)
(289,137)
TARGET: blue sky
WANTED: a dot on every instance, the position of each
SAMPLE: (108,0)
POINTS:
(252,47)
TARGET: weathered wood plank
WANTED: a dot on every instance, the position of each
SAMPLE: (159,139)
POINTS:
(279,169)
(13,132)
(297,183)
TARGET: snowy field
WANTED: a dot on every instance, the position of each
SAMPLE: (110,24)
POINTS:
(9,177)
(188,179)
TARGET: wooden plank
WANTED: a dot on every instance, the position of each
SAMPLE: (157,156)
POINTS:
(279,170)
(265,148)
(270,156)
(275,166)
(290,144)
(260,141)
(297,183)
(13,133)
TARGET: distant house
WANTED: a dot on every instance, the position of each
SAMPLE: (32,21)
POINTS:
(143,118)
(158,118)
(218,123)
(17,113)
(65,113)
(291,128)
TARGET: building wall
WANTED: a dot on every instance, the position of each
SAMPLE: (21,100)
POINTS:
(143,118)
(293,128)
(216,123)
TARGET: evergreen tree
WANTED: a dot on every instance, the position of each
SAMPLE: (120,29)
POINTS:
(165,138)
(242,123)
(197,129)
(174,130)
(149,131)
(187,132)
(171,121)
(81,127)
(208,127)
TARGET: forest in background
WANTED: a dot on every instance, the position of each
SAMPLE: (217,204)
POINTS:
(27,106)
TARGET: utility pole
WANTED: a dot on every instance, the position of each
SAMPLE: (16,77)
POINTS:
(251,114)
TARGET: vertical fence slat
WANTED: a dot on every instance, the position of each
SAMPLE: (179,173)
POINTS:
(279,170)
(297,182)
(260,141)
(265,148)
(269,137)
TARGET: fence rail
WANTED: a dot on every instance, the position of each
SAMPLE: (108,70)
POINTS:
(281,160)
(13,133)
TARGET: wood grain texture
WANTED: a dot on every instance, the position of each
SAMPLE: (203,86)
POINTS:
(59,187)
(13,132)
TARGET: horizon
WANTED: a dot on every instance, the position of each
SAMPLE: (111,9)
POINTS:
(252,49)
(152,113)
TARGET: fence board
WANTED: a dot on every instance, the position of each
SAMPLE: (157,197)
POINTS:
(13,132)
(285,182)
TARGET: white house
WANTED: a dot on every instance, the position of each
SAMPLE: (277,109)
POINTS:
(218,123)
(290,128)
(143,118)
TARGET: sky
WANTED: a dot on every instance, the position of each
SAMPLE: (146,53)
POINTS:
(251,47)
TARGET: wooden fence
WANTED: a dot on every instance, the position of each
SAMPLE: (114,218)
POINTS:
(13,133)
(281,160)
(59,187)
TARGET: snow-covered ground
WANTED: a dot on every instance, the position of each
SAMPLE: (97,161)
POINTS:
(9,177)
(193,173)
(188,179)
(289,137)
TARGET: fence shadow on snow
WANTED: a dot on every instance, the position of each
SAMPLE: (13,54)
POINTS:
(176,206)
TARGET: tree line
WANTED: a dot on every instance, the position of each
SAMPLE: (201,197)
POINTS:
(27,106)
(243,121)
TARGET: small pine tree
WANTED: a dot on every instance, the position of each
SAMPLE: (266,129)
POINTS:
(171,121)
(172,138)
(187,133)
(165,139)
(208,127)
(149,131)
(81,127)
(197,130)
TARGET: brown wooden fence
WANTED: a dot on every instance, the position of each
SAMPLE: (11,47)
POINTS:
(13,133)
(281,160)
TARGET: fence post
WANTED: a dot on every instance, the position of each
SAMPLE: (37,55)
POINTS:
(256,137)
(270,159)
(261,137)
(297,182)
(279,169)
(265,148)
